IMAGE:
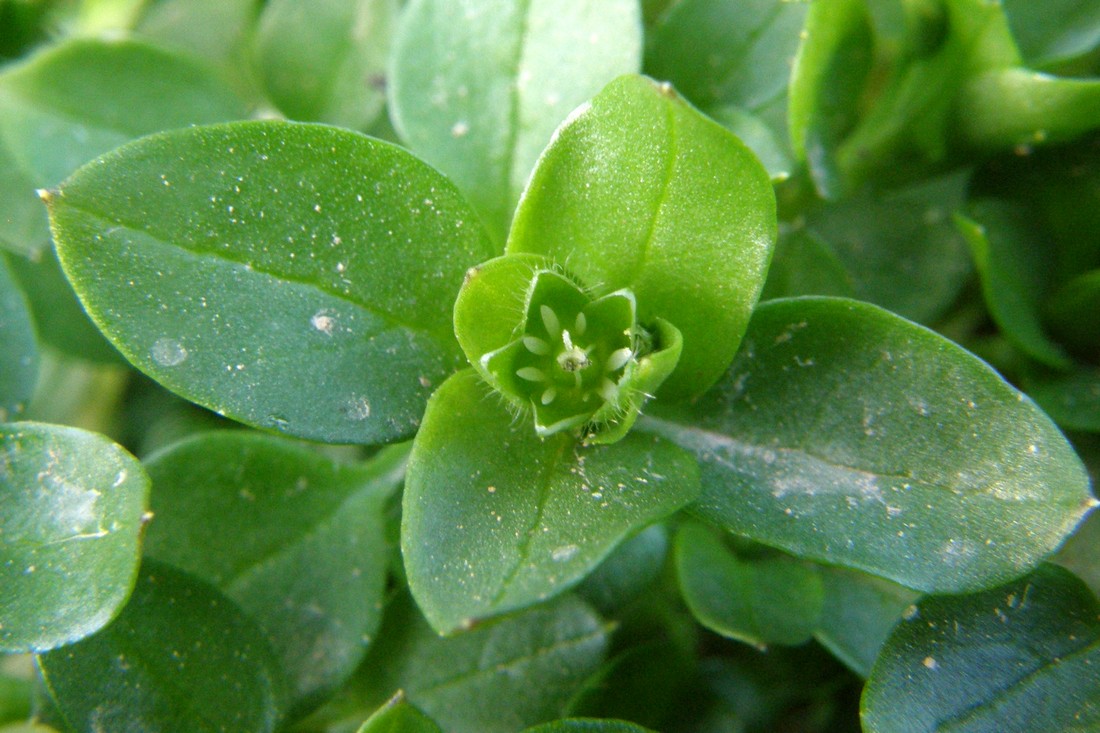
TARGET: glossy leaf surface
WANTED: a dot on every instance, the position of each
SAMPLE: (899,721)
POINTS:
(501,76)
(767,599)
(640,191)
(497,678)
(18,348)
(180,657)
(1014,659)
(295,277)
(496,518)
(80,99)
(297,540)
(324,61)
(846,434)
(70,533)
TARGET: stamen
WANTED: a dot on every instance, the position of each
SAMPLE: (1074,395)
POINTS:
(531,374)
(618,359)
(567,340)
(550,320)
(580,324)
(536,345)
(548,396)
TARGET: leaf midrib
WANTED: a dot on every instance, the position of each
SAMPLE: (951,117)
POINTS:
(440,334)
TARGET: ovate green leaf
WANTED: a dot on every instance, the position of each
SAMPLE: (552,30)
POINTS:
(769,598)
(398,715)
(500,76)
(641,191)
(181,657)
(294,538)
(846,434)
(1014,659)
(497,678)
(858,614)
(18,348)
(74,508)
(291,276)
(727,51)
(74,101)
(323,61)
(1072,400)
(496,518)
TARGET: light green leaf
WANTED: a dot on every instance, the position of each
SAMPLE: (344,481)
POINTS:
(846,434)
(727,51)
(760,138)
(180,657)
(497,678)
(500,77)
(74,101)
(264,270)
(1011,261)
(18,348)
(323,61)
(1018,106)
(496,518)
(763,598)
(70,533)
(858,614)
(398,715)
(297,540)
(640,191)
(1014,659)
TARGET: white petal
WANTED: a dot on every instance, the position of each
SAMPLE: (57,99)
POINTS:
(536,345)
(609,391)
(548,396)
(531,374)
(550,320)
(580,324)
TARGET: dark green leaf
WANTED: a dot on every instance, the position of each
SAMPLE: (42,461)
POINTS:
(61,319)
(627,571)
(500,77)
(640,191)
(858,614)
(499,677)
(1071,312)
(846,434)
(398,715)
(1055,30)
(294,538)
(1073,399)
(766,599)
(1014,659)
(1011,262)
(70,532)
(727,51)
(18,348)
(1081,553)
(72,102)
(180,657)
(900,247)
(15,691)
(323,61)
(496,518)
(760,138)
(805,264)
(587,725)
(295,277)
